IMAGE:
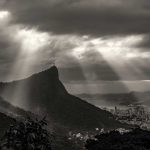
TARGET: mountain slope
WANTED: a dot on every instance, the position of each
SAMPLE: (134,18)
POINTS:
(13,111)
(43,92)
(5,122)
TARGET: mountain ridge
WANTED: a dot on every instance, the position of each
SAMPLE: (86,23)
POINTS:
(44,92)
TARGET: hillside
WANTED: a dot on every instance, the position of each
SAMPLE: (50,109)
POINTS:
(7,108)
(44,92)
(5,122)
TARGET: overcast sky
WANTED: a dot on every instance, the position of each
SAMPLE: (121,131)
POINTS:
(89,40)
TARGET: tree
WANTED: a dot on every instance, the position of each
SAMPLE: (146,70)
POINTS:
(137,139)
(27,135)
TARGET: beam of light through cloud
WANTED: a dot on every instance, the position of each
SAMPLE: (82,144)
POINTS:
(4,15)
(122,49)
(117,46)
(119,53)
(109,47)
(85,50)
(97,39)
(30,42)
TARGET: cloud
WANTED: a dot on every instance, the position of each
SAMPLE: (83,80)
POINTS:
(78,57)
(83,17)
(85,36)
(144,45)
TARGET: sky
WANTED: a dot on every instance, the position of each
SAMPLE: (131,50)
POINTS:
(97,45)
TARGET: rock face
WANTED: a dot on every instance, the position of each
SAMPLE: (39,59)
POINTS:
(44,92)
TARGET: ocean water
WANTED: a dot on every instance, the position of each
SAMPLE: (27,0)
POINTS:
(104,87)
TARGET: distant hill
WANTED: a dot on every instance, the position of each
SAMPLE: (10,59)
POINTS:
(44,92)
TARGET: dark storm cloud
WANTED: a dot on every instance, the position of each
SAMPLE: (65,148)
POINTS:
(98,17)
(8,48)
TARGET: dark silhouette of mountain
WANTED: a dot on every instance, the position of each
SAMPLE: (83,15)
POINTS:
(5,122)
(44,92)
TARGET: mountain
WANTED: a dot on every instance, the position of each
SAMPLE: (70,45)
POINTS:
(6,121)
(13,111)
(44,92)
(10,113)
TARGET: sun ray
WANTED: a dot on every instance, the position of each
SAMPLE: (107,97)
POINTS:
(30,41)
(4,15)
(119,53)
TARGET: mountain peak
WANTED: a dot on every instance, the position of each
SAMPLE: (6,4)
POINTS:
(51,73)
(54,70)
(44,92)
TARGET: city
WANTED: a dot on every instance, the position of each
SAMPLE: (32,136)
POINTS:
(133,114)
